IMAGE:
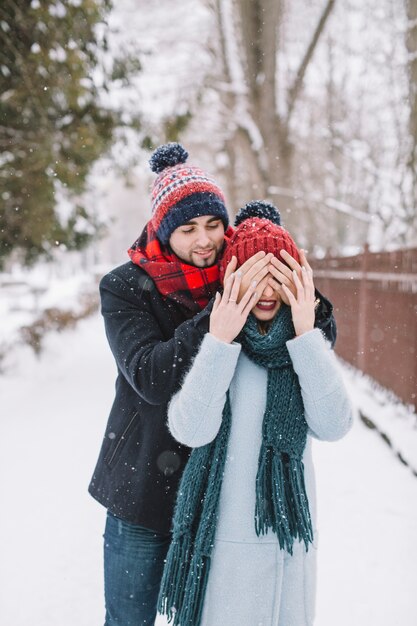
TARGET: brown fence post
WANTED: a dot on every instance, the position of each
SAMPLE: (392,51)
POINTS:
(362,322)
(414,391)
(375,300)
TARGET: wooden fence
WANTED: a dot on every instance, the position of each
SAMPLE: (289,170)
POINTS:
(375,300)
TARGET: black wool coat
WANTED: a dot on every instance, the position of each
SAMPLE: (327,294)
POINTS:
(153,341)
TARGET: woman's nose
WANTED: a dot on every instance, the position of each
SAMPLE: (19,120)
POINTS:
(268,292)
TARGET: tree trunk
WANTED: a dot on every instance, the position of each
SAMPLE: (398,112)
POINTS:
(260,139)
(260,21)
(411,44)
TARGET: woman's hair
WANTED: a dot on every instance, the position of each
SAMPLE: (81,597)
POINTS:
(258,227)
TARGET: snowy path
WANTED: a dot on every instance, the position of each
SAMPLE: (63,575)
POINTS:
(53,414)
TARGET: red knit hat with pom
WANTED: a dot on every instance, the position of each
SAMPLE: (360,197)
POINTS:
(258,227)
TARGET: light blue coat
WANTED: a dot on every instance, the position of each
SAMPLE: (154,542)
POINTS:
(252,582)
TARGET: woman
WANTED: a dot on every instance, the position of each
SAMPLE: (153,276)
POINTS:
(262,385)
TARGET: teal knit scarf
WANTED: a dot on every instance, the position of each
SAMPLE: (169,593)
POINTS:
(281,499)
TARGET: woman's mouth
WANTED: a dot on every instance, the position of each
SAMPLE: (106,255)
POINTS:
(266,305)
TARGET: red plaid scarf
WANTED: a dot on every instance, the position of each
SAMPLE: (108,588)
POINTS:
(192,287)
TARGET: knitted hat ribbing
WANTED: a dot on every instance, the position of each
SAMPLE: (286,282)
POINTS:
(181,192)
(258,228)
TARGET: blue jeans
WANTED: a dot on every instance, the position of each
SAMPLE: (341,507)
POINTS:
(133,565)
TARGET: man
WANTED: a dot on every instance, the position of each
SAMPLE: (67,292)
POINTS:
(156,310)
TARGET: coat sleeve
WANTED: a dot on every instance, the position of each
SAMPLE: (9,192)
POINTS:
(152,365)
(324,319)
(327,407)
(195,412)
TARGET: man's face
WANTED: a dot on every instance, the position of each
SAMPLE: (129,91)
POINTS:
(199,241)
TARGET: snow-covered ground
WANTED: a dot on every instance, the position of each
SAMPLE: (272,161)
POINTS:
(53,413)
(26,294)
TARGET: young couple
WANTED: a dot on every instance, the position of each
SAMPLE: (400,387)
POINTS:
(225,373)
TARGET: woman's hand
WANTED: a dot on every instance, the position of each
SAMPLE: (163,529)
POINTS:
(231,266)
(303,303)
(229,315)
(283,273)
(254,269)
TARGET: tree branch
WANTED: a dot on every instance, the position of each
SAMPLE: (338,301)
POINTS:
(299,78)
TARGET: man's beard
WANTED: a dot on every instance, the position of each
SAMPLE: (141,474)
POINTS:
(205,262)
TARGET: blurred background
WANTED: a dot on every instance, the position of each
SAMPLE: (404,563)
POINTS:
(309,105)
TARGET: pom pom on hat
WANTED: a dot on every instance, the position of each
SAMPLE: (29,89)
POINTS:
(258,228)
(181,192)
(166,156)
(259,208)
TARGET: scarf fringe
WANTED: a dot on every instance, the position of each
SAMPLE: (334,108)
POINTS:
(184,581)
(192,608)
(183,586)
(300,508)
(173,584)
(281,499)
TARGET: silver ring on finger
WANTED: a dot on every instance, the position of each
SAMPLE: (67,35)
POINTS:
(232,301)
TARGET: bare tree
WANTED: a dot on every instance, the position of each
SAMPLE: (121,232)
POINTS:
(320,116)
(410,179)
(259,142)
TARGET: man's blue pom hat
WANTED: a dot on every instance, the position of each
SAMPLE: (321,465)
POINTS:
(181,192)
